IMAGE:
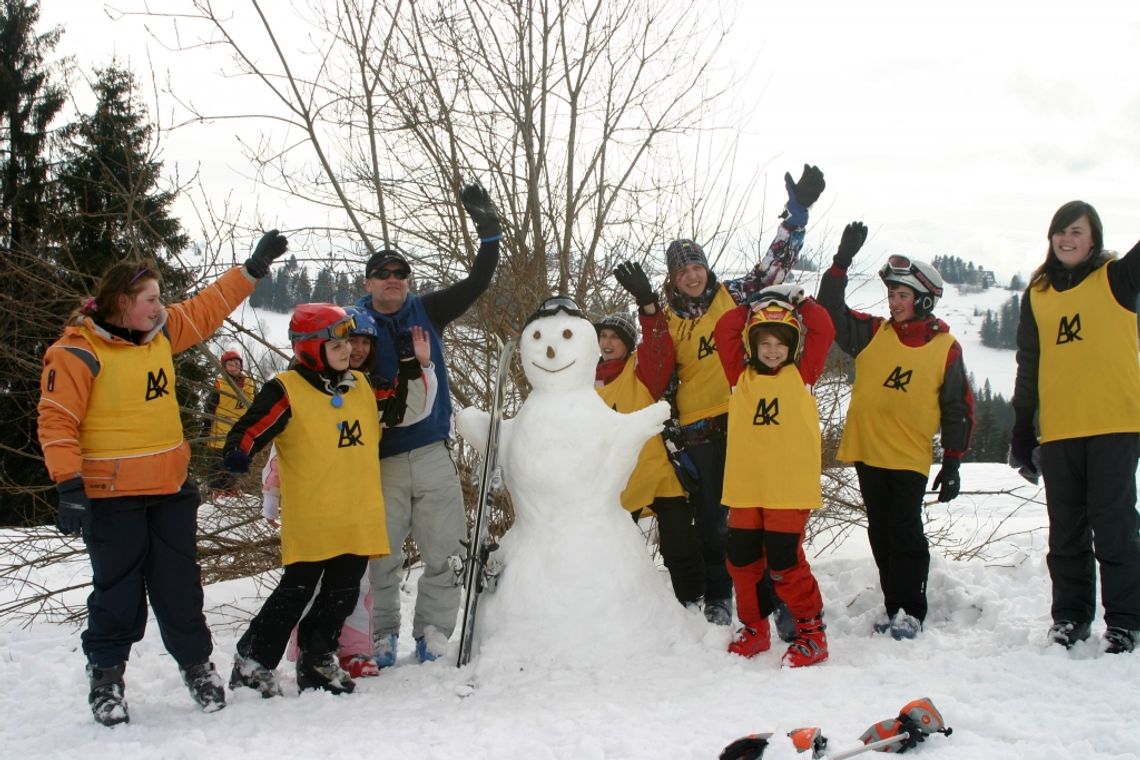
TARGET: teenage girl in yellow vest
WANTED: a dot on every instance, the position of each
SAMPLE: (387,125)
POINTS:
(111,434)
(629,381)
(225,405)
(910,382)
(1078,369)
(695,301)
(769,350)
(325,422)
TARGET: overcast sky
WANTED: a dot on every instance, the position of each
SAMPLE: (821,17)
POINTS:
(948,128)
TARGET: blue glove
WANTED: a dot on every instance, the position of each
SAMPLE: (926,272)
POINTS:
(236,461)
(802,194)
(947,481)
(269,248)
(74,508)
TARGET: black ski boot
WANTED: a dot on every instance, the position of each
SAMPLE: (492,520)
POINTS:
(206,686)
(249,672)
(1120,640)
(322,671)
(108,705)
(1067,633)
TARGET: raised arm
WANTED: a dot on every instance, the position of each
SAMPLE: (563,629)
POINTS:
(729,345)
(853,329)
(819,334)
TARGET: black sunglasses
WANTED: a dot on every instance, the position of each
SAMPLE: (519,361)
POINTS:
(384,274)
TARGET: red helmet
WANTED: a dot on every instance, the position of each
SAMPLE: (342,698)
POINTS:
(314,323)
(231,354)
(779,318)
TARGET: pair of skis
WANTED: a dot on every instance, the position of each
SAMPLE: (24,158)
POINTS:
(479,546)
(916,720)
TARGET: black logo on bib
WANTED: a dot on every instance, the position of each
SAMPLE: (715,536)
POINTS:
(767,413)
(898,379)
(706,348)
(350,435)
(1069,329)
(156,385)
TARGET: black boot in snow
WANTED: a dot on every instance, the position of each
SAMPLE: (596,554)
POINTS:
(322,671)
(249,672)
(206,686)
(108,704)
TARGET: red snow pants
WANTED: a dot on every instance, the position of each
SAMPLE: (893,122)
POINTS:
(771,539)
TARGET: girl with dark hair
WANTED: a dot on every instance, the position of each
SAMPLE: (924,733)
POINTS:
(1078,371)
(111,433)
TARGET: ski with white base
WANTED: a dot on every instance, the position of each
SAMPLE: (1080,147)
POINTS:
(476,565)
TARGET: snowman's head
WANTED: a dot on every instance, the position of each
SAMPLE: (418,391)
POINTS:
(559,347)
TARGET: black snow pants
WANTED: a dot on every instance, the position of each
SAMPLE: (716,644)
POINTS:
(1090,491)
(898,542)
(318,631)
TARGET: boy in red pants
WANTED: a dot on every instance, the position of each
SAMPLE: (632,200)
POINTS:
(770,350)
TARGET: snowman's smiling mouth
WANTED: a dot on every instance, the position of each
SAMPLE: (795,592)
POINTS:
(552,371)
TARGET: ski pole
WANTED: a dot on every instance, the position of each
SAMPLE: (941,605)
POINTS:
(873,745)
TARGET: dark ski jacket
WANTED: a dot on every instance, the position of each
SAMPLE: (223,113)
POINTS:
(854,330)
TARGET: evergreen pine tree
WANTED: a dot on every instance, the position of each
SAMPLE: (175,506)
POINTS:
(31,307)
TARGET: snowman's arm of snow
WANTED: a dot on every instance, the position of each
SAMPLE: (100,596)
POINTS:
(638,427)
(474,425)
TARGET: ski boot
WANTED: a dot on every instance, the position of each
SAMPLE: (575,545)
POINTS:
(359,665)
(249,672)
(108,704)
(810,646)
(384,650)
(1067,633)
(432,645)
(752,639)
(322,671)
(904,626)
(1120,640)
(206,686)
(719,611)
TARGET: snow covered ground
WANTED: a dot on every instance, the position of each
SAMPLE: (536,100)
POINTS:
(982,660)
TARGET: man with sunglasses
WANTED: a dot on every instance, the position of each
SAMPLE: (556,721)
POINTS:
(422,495)
(910,383)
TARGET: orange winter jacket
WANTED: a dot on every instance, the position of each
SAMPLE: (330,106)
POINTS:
(129,462)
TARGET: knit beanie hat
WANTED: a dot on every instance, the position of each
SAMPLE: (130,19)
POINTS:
(624,325)
(682,253)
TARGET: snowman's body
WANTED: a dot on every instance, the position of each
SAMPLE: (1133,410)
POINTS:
(577,574)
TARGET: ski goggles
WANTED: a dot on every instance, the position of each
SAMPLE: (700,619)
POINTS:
(555,305)
(902,266)
(336,331)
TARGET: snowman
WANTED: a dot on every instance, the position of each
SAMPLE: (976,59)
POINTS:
(578,581)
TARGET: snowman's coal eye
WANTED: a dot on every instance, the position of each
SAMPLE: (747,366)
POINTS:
(567,334)
(537,335)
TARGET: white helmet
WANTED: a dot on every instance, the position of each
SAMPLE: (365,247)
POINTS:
(917,275)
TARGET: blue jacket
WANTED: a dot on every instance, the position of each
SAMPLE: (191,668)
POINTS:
(433,312)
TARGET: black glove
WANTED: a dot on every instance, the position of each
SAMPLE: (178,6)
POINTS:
(269,248)
(1022,444)
(74,508)
(236,461)
(854,235)
(947,481)
(632,277)
(809,186)
(405,346)
(482,211)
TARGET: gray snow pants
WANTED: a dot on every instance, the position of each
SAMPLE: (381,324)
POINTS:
(421,497)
